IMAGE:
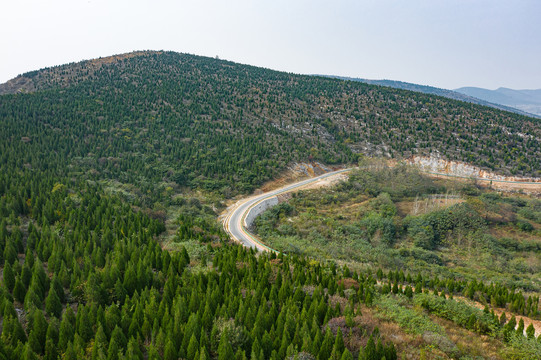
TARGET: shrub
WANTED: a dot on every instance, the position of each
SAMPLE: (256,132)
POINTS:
(429,230)
(412,320)
(460,313)
(524,226)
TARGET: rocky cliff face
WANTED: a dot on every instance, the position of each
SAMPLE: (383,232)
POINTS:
(460,169)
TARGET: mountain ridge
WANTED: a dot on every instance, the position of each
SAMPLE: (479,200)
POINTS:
(528,100)
(451,94)
(26,83)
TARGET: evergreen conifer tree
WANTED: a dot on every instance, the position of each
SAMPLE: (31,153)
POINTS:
(133,351)
(520,327)
(369,352)
(28,353)
(38,333)
(338,347)
(346,355)
(19,290)
(530,331)
(53,306)
(8,277)
(51,352)
(327,345)
(193,347)
(225,350)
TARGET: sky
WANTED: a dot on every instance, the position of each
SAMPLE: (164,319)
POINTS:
(447,44)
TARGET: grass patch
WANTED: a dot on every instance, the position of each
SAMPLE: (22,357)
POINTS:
(411,318)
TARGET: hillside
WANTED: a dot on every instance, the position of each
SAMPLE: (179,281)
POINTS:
(525,100)
(455,95)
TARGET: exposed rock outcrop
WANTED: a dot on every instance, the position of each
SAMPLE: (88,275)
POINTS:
(438,165)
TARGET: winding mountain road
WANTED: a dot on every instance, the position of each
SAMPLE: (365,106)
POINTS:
(235,221)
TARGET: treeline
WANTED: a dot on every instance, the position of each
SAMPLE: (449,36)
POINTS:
(494,295)
(437,297)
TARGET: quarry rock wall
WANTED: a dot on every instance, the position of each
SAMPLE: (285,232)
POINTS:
(456,168)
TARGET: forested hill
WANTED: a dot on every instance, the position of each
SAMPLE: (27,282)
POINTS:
(154,119)
(97,164)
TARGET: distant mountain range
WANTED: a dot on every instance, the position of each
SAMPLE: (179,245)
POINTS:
(525,100)
(517,101)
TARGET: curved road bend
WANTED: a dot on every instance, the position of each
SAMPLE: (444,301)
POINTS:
(234,222)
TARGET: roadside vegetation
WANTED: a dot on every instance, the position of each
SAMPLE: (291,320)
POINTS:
(447,254)
(397,218)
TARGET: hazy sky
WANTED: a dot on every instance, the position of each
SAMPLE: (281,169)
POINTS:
(449,44)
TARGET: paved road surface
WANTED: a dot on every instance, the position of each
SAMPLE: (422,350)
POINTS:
(234,222)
